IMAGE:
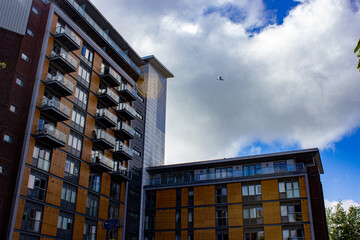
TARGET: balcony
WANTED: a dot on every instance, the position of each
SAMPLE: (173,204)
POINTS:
(59,84)
(108,97)
(124,131)
(125,111)
(64,60)
(120,172)
(67,37)
(106,118)
(55,109)
(50,136)
(122,151)
(102,139)
(100,162)
(264,172)
(110,76)
(127,92)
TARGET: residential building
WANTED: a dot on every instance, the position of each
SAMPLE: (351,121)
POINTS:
(74,111)
(270,196)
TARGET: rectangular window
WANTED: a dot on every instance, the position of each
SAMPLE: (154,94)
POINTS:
(37,185)
(224,172)
(115,190)
(13,109)
(65,223)
(8,138)
(253,215)
(32,217)
(291,212)
(138,133)
(137,153)
(191,196)
(84,75)
(90,231)
(221,216)
(140,97)
(251,191)
(2,170)
(293,234)
(19,82)
(149,221)
(75,144)
(289,188)
(29,32)
(86,55)
(68,193)
(72,167)
(25,57)
(78,119)
(94,181)
(92,205)
(150,199)
(139,115)
(254,235)
(221,194)
(251,170)
(222,234)
(178,219)
(35,10)
(41,158)
(81,97)
(113,211)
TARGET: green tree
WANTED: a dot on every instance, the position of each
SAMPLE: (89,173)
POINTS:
(343,224)
(2,65)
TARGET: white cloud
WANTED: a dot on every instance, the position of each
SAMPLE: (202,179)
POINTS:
(346,204)
(294,84)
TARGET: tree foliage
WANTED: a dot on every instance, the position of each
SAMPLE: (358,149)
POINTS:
(343,224)
(2,65)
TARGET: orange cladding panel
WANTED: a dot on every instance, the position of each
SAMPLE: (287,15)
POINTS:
(166,198)
(165,219)
(307,231)
(204,217)
(236,234)
(302,187)
(270,189)
(184,197)
(58,160)
(234,192)
(208,234)
(235,215)
(204,195)
(84,174)
(81,200)
(54,189)
(165,235)
(50,221)
(273,232)
(19,213)
(78,229)
(305,210)
(271,211)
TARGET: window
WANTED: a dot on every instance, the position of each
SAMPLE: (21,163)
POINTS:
(74,144)
(139,115)
(2,170)
(289,188)
(190,217)
(25,57)
(190,235)
(113,211)
(8,138)
(177,235)
(251,191)
(191,196)
(137,153)
(251,170)
(138,133)
(115,190)
(254,235)
(141,98)
(221,194)
(291,212)
(19,82)
(72,167)
(81,97)
(68,193)
(78,119)
(223,172)
(150,199)
(37,185)
(253,214)
(222,234)
(34,9)
(111,234)
(65,225)
(221,216)
(293,234)
(86,55)
(31,33)
(32,217)
(178,219)
(89,231)
(13,109)
(92,205)
(149,221)
(84,75)
(94,181)
(41,158)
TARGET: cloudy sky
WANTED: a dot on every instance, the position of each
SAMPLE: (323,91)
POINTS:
(290,78)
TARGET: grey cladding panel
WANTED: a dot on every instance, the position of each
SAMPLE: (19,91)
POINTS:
(14,15)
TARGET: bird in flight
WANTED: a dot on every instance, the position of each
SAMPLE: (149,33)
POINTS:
(219,78)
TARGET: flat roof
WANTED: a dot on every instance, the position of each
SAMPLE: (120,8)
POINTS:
(156,63)
(302,154)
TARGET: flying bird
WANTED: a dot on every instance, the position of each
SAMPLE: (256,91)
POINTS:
(219,78)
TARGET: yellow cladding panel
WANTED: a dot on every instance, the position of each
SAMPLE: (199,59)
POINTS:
(101,233)
(50,221)
(184,196)
(25,181)
(58,160)
(204,195)
(81,200)
(184,218)
(103,208)
(53,23)
(105,184)
(86,151)
(165,219)
(165,235)
(16,236)
(208,234)
(235,215)
(78,232)
(273,232)
(19,214)
(305,210)
(236,234)
(122,192)
(234,192)
(302,186)
(84,174)
(204,217)
(270,189)
(166,198)
(307,231)
(271,212)
(54,189)
(184,235)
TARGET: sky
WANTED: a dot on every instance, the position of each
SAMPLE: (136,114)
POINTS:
(290,78)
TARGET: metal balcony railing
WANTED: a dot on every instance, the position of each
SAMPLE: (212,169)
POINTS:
(58,77)
(120,146)
(98,157)
(124,106)
(55,103)
(66,56)
(69,32)
(107,91)
(106,113)
(49,129)
(102,134)
(125,127)
(109,70)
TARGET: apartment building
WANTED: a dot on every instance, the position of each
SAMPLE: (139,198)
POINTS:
(74,111)
(270,196)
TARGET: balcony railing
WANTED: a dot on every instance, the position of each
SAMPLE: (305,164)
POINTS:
(62,81)
(103,138)
(121,171)
(237,174)
(127,92)
(125,128)
(121,147)
(71,63)
(73,41)
(126,111)
(109,74)
(109,96)
(111,118)
(50,130)
(62,111)
(99,158)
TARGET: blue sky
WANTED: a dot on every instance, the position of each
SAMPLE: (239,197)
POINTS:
(290,78)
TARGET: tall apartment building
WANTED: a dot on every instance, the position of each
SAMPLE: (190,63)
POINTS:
(78,107)
(270,196)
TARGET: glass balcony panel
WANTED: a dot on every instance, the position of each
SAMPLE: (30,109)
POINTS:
(66,56)
(120,146)
(107,91)
(58,77)
(125,130)
(98,157)
(49,129)
(55,103)
(106,113)
(102,134)
(70,33)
